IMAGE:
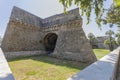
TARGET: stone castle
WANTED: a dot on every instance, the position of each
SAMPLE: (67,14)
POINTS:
(61,35)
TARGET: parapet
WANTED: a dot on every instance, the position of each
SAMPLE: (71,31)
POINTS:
(25,17)
(62,18)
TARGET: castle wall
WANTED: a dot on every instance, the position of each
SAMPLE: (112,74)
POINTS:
(61,18)
(21,37)
(73,45)
(24,16)
(26,32)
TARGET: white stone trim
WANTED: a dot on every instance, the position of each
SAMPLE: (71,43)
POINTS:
(103,69)
(5,72)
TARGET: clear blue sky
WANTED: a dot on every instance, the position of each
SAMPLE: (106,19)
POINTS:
(45,8)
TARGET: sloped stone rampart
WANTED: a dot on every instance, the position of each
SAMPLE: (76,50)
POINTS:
(73,45)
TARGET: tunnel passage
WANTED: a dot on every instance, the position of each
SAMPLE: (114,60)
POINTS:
(50,42)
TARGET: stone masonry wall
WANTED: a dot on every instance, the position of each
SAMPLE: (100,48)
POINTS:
(18,54)
(26,32)
(19,37)
(73,45)
(24,16)
(61,18)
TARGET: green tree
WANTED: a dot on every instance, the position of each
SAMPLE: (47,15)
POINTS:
(118,38)
(0,40)
(110,41)
(109,33)
(117,2)
(91,37)
(112,16)
(86,7)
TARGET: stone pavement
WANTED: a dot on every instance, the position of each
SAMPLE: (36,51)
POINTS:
(5,72)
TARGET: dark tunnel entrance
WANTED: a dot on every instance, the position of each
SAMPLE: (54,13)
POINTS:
(50,42)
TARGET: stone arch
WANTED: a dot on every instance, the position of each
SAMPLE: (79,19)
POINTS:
(49,42)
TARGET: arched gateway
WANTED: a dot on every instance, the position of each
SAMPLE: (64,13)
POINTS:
(49,42)
(61,34)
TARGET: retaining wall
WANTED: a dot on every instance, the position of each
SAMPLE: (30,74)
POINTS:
(19,54)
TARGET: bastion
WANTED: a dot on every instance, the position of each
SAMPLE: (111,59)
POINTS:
(60,35)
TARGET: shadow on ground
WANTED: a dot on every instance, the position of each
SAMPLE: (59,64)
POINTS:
(7,77)
(54,61)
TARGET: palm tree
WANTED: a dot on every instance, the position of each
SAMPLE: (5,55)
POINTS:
(0,40)
(118,38)
(110,41)
(91,38)
(109,33)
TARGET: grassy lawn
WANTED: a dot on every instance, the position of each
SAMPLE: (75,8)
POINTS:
(101,52)
(47,68)
(44,68)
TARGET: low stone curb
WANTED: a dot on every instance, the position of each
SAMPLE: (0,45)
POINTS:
(103,69)
(5,72)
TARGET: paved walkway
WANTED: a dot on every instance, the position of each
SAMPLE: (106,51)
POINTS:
(5,72)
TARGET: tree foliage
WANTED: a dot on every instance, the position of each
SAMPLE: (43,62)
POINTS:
(0,40)
(86,7)
(91,37)
(109,33)
(110,42)
(118,38)
(117,3)
(113,16)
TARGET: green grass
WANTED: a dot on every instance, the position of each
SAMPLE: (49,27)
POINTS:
(44,68)
(101,52)
(47,68)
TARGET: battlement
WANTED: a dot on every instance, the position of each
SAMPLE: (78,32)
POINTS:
(58,19)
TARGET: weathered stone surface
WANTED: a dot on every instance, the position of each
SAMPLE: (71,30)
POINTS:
(22,15)
(104,69)
(61,18)
(13,55)
(73,45)
(26,32)
(19,37)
